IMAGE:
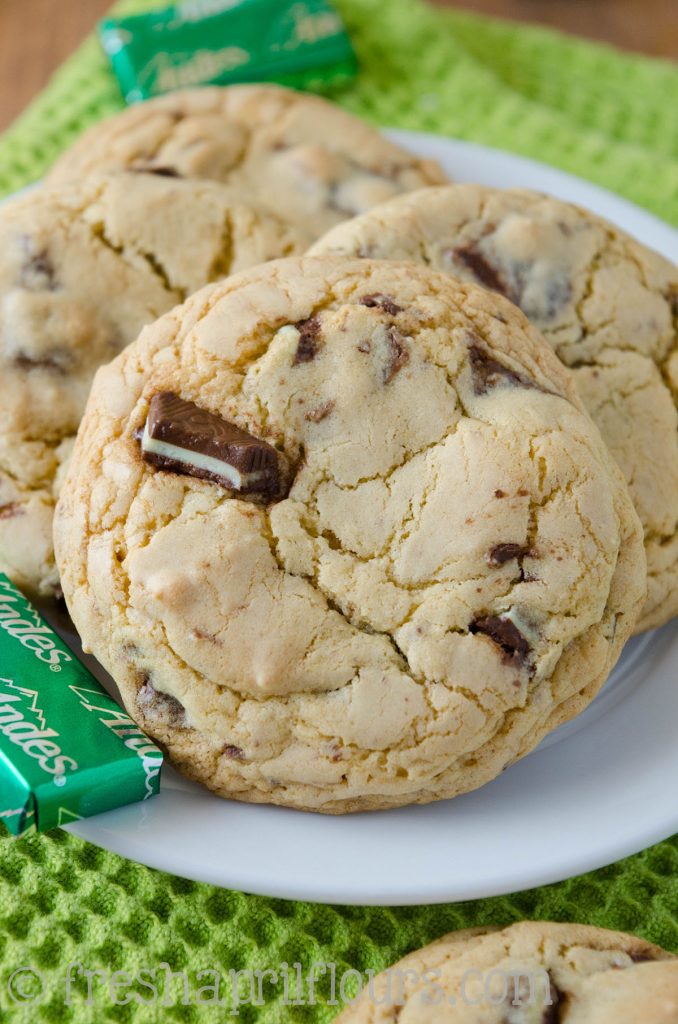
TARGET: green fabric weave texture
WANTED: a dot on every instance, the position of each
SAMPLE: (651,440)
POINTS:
(610,117)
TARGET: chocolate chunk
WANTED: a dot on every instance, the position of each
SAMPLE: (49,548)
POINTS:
(160,172)
(555,294)
(58,362)
(183,438)
(489,372)
(37,273)
(321,412)
(234,752)
(521,994)
(502,553)
(158,706)
(384,302)
(398,354)
(480,267)
(309,331)
(500,494)
(10,510)
(553,1014)
(506,635)
(642,957)
(202,634)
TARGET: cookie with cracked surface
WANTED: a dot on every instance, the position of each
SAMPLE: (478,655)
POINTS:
(82,269)
(445,568)
(301,156)
(607,305)
(534,972)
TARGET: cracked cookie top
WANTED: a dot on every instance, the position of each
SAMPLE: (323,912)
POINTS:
(529,973)
(447,569)
(296,154)
(606,304)
(82,269)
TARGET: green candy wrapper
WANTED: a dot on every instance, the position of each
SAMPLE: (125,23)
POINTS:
(67,750)
(302,43)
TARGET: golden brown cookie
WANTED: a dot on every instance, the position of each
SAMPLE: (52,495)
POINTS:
(82,269)
(300,156)
(607,305)
(529,973)
(344,536)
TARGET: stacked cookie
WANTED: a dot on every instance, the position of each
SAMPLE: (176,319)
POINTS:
(341,527)
(142,212)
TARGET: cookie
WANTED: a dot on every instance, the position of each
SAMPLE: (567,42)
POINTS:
(293,153)
(82,269)
(607,305)
(344,536)
(529,973)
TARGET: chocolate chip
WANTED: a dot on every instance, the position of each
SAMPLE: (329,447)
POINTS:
(506,635)
(160,706)
(234,752)
(502,553)
(321,412)
(10,510)
(309,331)
(480,267)
(378,301)
(500,494)
(489,373)
(398,354)
(183,438)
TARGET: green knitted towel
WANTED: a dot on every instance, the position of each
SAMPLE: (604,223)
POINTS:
(610,117)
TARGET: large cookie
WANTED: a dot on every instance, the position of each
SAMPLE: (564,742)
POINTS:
(530,973)
(607,305)
(293,153)
(82,269)
(432,560)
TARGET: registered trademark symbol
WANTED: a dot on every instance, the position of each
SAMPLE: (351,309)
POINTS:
(55,668)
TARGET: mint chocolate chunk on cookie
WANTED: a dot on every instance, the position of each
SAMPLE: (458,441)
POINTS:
(183,438)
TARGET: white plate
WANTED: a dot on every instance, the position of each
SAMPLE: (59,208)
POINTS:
(600,788)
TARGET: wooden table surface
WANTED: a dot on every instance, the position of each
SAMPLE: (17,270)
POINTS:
(37,35)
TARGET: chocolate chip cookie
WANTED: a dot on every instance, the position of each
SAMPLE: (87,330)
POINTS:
(82,269)
(344,536)
(296,154)
(607,305)
(530,973)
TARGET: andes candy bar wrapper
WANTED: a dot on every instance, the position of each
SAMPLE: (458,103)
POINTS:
(300,43)
(67,750)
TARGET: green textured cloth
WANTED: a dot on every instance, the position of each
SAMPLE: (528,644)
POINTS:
(609,117)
